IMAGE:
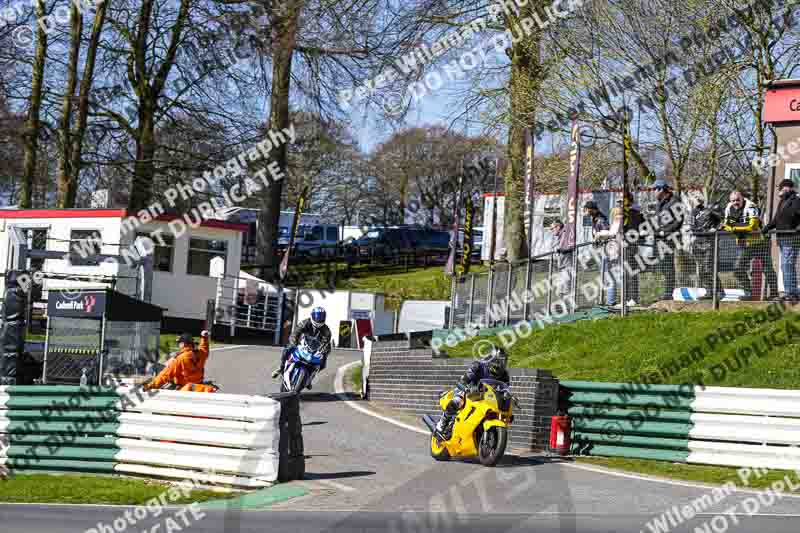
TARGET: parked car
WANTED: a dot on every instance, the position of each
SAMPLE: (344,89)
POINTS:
(430,240)
(392,240)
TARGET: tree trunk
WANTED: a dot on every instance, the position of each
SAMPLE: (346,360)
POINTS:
(65,173)
(83,103)
(285,31)
(148,89)
(524,86)
(144,169)
(31,134)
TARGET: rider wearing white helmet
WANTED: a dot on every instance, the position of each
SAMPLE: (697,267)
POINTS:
(314,326)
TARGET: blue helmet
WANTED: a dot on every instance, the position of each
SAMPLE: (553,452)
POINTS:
(318,315)
(660,184)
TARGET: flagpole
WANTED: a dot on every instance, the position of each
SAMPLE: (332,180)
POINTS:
(626,210)
(450,268)
(531,207)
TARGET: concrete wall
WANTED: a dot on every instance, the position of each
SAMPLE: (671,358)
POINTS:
(411,380)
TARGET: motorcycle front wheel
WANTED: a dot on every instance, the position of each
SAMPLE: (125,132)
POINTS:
(299,380)
(492,445)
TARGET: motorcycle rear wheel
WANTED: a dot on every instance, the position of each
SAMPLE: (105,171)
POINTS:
(438,451)
(492,446)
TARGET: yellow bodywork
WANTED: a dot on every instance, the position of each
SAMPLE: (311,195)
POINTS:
(480,410)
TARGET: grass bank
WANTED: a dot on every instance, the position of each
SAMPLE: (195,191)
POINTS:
(356,377)
(79,489)
(417,284)
(623,349)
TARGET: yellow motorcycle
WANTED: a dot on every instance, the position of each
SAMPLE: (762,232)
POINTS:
(480,428)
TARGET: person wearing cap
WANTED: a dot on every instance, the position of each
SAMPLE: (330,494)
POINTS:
(188,367)
(787,218)
(743,218)
(668,224)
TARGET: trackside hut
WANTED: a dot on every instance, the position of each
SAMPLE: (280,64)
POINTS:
(185,257)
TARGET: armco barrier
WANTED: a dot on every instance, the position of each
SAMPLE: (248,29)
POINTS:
(716,425)
(411,380)
(217,438)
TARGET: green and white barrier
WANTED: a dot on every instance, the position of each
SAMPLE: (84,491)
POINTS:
(217,438)
(716,425)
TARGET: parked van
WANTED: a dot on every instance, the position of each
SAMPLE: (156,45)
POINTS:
(318,239)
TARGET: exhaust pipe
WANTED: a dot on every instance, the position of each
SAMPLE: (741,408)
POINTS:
(429,422)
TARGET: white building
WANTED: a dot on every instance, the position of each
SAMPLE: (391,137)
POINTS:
(184,266)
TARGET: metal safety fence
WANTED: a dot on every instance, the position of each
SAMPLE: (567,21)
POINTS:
(711,267)
(249,303)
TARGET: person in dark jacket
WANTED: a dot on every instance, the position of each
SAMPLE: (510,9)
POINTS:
(564,260)
(787,218)
(668,224)
(13,327)
(704,220)
(492,366)
(743,218)
(313,326)
(600,229)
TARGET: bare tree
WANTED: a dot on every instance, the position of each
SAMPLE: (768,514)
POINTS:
(32,122)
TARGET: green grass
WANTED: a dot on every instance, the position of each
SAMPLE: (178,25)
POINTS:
(622,349)
(356,377)
(418,284)
(702,473)
(69,488)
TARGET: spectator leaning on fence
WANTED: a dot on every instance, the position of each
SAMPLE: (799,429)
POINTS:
(704,220)
(564,259)
(787,219)
(612,243)
(632,224)
(668,222)
(600,225)
(743,218)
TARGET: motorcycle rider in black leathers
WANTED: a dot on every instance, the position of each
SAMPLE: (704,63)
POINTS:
(310,327)
(492,366)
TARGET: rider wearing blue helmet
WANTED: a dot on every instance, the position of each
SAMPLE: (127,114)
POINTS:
(314,326)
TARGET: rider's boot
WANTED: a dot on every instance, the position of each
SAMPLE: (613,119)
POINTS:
(445,426)
(277,372)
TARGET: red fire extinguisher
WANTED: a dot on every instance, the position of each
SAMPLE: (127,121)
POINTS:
(560,428)
(756,272)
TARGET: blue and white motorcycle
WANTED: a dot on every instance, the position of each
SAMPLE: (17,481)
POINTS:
(302,365)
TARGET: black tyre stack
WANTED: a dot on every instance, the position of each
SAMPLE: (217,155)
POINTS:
(292,460)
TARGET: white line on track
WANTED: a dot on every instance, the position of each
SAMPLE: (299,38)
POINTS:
(339,389)
(334,484)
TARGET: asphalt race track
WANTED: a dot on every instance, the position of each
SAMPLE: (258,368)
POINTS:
(365,475)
